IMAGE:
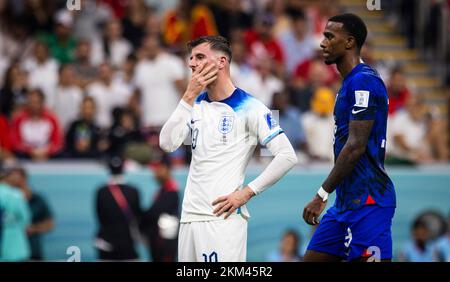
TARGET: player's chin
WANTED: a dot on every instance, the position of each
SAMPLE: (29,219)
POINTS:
(329,61)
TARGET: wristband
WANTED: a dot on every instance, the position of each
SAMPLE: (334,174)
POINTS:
(323,194)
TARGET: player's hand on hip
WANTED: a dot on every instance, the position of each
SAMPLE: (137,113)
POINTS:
(313,209)
(229,203)
(203,75)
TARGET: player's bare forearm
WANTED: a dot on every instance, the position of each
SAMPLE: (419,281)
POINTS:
(41,227)
(354,148)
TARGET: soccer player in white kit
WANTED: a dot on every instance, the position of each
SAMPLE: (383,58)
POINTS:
(224,124)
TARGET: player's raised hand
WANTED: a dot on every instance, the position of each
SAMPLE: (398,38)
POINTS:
(228,204)
(313,209)
(203,75)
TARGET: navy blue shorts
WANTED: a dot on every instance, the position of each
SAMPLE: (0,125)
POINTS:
(353,234)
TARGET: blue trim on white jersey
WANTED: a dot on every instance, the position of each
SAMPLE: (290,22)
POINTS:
(271,136)
(236,100)
(201,97)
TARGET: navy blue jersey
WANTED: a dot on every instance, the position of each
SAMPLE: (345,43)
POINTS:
(363,96)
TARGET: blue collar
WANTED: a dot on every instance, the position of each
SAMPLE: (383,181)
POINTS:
(356,69)
(234,100)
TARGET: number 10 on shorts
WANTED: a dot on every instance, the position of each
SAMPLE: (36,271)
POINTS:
(212,257)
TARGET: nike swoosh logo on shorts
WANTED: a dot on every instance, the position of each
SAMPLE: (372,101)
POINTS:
(358,111)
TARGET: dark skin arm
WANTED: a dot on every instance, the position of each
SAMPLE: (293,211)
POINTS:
(354,148)
(41,227)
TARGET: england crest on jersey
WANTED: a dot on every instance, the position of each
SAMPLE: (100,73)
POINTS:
(226,124)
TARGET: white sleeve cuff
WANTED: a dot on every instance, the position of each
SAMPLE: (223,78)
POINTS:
(185,105)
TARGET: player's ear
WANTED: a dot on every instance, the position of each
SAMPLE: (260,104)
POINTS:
(350,42)
(222,62)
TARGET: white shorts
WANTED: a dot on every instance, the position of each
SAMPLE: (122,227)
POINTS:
(213,241)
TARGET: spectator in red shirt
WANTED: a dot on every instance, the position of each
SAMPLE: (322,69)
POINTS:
(303,70)
(118,7)
(398,91)
(35,131)
(5,141)
(261,42)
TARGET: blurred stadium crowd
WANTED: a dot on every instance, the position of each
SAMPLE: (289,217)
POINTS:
(101,81)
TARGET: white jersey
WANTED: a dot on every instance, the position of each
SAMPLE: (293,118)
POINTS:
(224,135)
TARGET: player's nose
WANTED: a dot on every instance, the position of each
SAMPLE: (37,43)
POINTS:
(322,44)
(192,65)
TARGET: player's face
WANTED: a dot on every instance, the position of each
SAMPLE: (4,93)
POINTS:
(203,54)
(334,43)
(35,103)
(88,110)
(162,173)
(14,179)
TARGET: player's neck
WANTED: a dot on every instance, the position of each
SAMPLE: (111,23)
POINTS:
(117,179)
(348,63)
(221,89)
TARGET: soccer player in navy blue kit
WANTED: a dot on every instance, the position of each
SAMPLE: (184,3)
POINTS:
(358,226)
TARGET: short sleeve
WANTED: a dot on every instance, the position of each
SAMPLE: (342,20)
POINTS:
(263,124)
(365,94)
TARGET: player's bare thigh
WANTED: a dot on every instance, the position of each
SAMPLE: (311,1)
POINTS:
(313,256)
(365,260)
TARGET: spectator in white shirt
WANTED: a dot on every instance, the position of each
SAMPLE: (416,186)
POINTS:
(85,70)
(319,125)
(298,44)
(112,47)
(42,71)
(125,74)
(67,97)
(416,134)
(240,67)
(160,77)
(108,94)
(261,82)
(408,132)
(4,64)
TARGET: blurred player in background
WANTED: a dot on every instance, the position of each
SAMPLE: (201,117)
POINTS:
(118,213)
(41,215)
(225,123)
(160,222)
(288,250)
(441,250)
(358,226)
(419,246)
(15,217)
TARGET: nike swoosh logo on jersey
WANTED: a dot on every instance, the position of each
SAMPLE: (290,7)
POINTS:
(194,121)
(358,111)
